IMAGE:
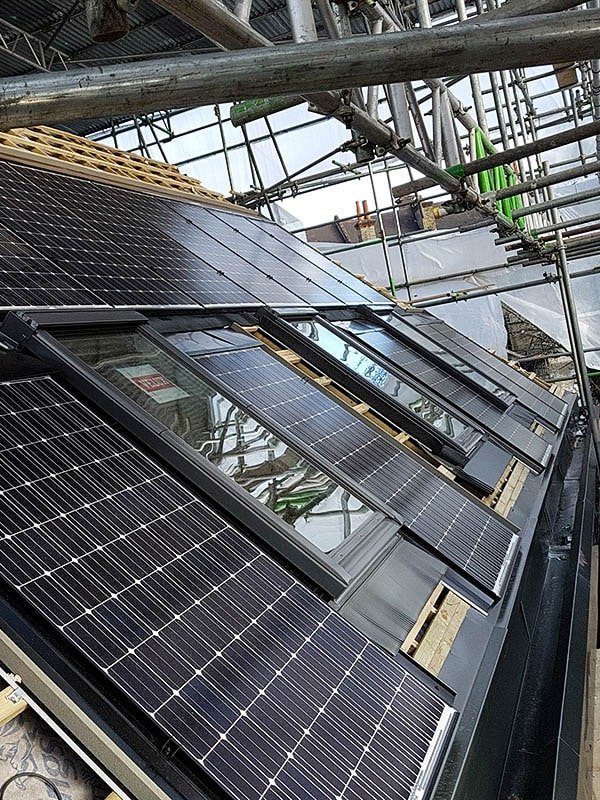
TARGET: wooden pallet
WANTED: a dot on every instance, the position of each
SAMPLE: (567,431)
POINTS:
(64,152)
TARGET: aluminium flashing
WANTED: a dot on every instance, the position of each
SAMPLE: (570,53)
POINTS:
(475,659)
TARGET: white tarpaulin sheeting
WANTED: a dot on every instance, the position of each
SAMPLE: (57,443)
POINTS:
(481,318)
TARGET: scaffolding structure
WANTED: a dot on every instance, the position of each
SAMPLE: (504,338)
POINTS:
(493,140)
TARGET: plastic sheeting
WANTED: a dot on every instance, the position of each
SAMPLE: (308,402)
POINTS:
(433,258)
(481,318)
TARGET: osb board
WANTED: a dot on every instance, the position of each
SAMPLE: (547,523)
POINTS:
(28,745)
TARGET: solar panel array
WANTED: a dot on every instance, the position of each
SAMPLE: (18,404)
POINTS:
(467,534)
(269,690)
(540,401)
(517,437)
(70,242)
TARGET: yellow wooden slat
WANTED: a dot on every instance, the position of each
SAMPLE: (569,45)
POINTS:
(10,708)
(437,642)
(429,609)
(71,149)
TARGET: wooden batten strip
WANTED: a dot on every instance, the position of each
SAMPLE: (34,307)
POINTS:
(10,705)
(429,610)
(65,153)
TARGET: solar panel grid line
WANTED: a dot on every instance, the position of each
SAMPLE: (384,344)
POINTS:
(291,287)
(257,592)
(365,457)
(322,262)
(324,277)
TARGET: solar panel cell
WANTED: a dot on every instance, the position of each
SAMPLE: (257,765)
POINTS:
(449,388)
(311,255)
(549,407)
(246,670)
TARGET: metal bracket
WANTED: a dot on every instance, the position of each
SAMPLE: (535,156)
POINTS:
(16,330)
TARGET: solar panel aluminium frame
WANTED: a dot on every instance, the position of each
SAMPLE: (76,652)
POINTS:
(58,673)
(246,510)
(371,316)
(403,418)
(464,583)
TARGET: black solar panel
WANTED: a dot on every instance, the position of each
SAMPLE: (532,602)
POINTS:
(99,257)
(520,440)
(28,278)
(270,691)
(541,402)
(208,236)
(270,238)
(108,246)
(310,254)
(466,533)
(137,225)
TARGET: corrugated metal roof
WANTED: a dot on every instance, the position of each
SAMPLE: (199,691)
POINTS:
(153,32)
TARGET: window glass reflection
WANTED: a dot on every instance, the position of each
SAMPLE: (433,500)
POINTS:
(379,376)
(449,358)
(267,468)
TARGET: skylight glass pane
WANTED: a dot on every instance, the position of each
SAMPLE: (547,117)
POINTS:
(449,358)
(267,468)
(384,380)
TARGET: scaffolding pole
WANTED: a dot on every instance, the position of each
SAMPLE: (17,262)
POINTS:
(310,67)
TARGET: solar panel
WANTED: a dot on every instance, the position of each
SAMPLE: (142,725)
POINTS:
(521,441)
(336,281)
(28,278)
(124,248)
(467,534)
(257,680)
(543,403)
(138,225)
(99,259)
(207,235)
(313,256)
